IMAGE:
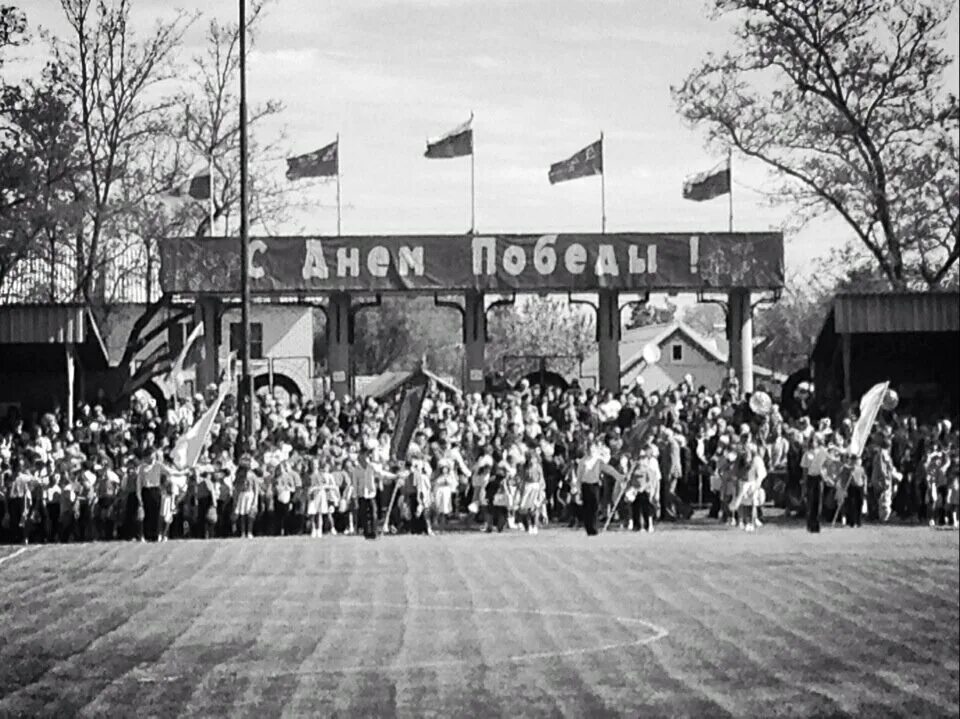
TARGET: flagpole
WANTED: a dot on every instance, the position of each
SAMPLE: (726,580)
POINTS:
(339,212)
(473,182)
(246,380)
(730,176)
(603,190)
(211,190)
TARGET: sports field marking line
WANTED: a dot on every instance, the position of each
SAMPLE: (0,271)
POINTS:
(658,634)
(15,554)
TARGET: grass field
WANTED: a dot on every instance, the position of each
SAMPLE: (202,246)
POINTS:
(698,622)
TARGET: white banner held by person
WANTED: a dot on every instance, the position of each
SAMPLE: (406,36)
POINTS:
(869,408)
(187,450)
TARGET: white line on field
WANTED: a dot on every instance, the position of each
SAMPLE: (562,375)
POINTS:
(658,634)
(15,554)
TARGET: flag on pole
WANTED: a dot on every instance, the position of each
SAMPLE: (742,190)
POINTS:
(187,450)
(456,143)
(709,184)
(176,369)
(408,415)
(197,187)
(586,162)
(324,162)
(869,409)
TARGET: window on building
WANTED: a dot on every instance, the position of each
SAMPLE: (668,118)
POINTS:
(256,339)
(677,353)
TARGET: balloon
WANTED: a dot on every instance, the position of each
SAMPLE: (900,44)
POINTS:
(760,403)
(651,354)
(890,400)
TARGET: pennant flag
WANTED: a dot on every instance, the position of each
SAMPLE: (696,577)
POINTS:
(456,143)
(176,370)
(324,162)
(408,415)
(589,161)
(869,409)
(709,184)
(197,187)
(187,450)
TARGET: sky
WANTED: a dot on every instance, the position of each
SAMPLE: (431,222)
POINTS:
(543,79)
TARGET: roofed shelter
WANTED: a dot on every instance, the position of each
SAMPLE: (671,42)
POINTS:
(909,338)
(47,353)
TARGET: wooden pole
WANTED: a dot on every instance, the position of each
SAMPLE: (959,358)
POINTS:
(339,210)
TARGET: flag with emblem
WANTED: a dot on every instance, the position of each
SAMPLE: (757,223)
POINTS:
(709,184)
(586,162)
(456,143)
(324,162)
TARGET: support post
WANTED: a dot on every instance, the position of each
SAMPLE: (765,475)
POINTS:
(741,337)
(338,343)
(474,340)
(71,383)
(847,363)
(608,339)
(208,370)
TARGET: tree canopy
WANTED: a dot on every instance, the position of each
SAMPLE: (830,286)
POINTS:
(845,101)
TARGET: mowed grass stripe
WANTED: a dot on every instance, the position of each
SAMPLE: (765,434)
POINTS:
(179,609)
(595,683)
(809,640)
(470,696)
(534,677)
(122,635)
(428,666)
(483,677)
(336,623)
(781,684)
(566,679)
(43,589)
(229,626)
(689,668)
(885,650)
(850,599)
(692,655)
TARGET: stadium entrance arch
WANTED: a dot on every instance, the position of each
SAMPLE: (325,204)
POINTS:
(337,272)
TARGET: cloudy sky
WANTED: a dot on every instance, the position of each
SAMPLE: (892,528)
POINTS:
(543,78)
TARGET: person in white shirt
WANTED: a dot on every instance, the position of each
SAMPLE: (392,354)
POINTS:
(366,476)
(812,464)
(589,471)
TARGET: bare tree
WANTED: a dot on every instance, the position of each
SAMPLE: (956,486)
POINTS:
(116,79)
(845,101)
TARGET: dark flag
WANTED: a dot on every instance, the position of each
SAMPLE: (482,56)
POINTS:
(197,187)
(408,415)
(456,143)
(709,184)
(324,162)
(589,161)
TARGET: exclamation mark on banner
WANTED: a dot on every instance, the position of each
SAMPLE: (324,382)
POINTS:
(694,254)
(652,259)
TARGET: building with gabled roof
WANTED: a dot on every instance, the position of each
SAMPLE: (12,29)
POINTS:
(683,351)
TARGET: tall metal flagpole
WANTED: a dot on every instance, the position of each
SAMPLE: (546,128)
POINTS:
(473,182)
(603,190)
(730,194)
(339,211)
(246,381)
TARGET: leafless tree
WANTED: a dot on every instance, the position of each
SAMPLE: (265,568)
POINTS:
(845,101)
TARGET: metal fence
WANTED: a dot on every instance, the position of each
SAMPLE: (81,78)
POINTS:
(124,275)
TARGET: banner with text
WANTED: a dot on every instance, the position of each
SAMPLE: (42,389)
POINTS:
(503,263)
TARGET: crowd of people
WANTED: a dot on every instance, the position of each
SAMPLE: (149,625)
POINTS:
(513,460)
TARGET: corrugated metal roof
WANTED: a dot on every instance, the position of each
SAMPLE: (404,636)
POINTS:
(39,324)
(897,312)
